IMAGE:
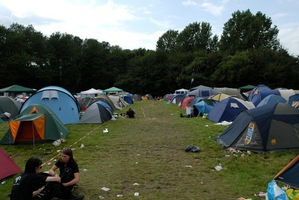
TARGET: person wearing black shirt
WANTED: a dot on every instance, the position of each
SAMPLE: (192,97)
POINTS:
(69,174)
(29,184)
(130,113)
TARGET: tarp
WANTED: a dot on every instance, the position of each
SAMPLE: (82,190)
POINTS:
(7,166)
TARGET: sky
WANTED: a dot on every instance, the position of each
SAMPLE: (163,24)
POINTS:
(133,24)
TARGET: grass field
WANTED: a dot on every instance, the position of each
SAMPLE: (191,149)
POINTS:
(146,155)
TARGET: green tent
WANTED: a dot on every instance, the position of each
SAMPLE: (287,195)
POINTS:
(113,90)
(36,123)
(17,88)
(9,105)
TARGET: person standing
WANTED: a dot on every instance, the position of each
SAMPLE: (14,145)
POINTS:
(29,184)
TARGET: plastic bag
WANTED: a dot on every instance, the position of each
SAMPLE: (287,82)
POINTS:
(293,194)
(274,192)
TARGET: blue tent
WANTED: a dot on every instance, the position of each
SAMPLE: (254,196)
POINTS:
(228,109)
(203,107)
(59,100)
(259,93)
(128,98)
(289,174)
(271,99)
(266,128)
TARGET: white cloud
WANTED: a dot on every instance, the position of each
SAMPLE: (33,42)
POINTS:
(289,39)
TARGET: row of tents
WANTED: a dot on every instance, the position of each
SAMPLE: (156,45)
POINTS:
(43,116)
(267,120)
(45,113)
(262,119)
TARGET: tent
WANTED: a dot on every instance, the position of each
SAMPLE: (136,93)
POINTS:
(137,97)
(9,105)
(289,174)
(177,98)
(17,89)
(228,109)
(259,93)
(113,90)
(294,100)
(59,100)
(202,91)
(271,99)
(97,112)
(8,166)
(219,97)
(36,123)
(186,101)
(266,128)
(91,92)
(203,107)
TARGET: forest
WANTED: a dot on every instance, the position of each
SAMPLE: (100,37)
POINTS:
(247,52)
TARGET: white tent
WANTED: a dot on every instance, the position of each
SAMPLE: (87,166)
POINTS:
(91,92)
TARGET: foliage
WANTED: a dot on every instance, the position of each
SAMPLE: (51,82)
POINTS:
(248,52)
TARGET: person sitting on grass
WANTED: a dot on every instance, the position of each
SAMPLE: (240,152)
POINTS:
(30,183)
(130,113)
(69,174)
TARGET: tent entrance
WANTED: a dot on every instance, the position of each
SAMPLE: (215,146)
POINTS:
(29,129)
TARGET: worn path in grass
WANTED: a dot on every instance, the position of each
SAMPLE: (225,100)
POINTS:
(146,155)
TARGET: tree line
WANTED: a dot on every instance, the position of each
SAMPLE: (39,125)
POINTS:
(247,52)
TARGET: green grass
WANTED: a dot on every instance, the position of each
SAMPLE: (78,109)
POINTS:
(146,155)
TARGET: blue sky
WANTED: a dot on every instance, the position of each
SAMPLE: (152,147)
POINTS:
(133,24)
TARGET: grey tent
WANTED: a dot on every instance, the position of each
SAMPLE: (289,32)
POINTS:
(96,113)
(271,127)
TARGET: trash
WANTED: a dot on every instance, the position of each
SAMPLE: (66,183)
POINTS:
(135,183)
(85,170)
(188,166)
(193,149)
(3,182)
(119,195)
(260,194)
(218,167)
(82,146)
(101,197)
(105,130)
(274,192)
(105,189)
(136,194)
(57,142)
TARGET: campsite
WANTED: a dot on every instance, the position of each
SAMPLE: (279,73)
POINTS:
(145,158)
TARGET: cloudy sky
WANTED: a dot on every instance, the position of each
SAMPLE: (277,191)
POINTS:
(133,24)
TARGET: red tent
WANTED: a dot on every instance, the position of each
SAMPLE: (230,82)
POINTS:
(8,167)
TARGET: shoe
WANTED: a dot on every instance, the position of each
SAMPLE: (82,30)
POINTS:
(77,197)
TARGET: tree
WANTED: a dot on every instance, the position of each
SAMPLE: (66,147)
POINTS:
(196,36)
(168,41)
(245,31)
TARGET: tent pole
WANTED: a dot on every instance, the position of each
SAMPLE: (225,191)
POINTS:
(33,143)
